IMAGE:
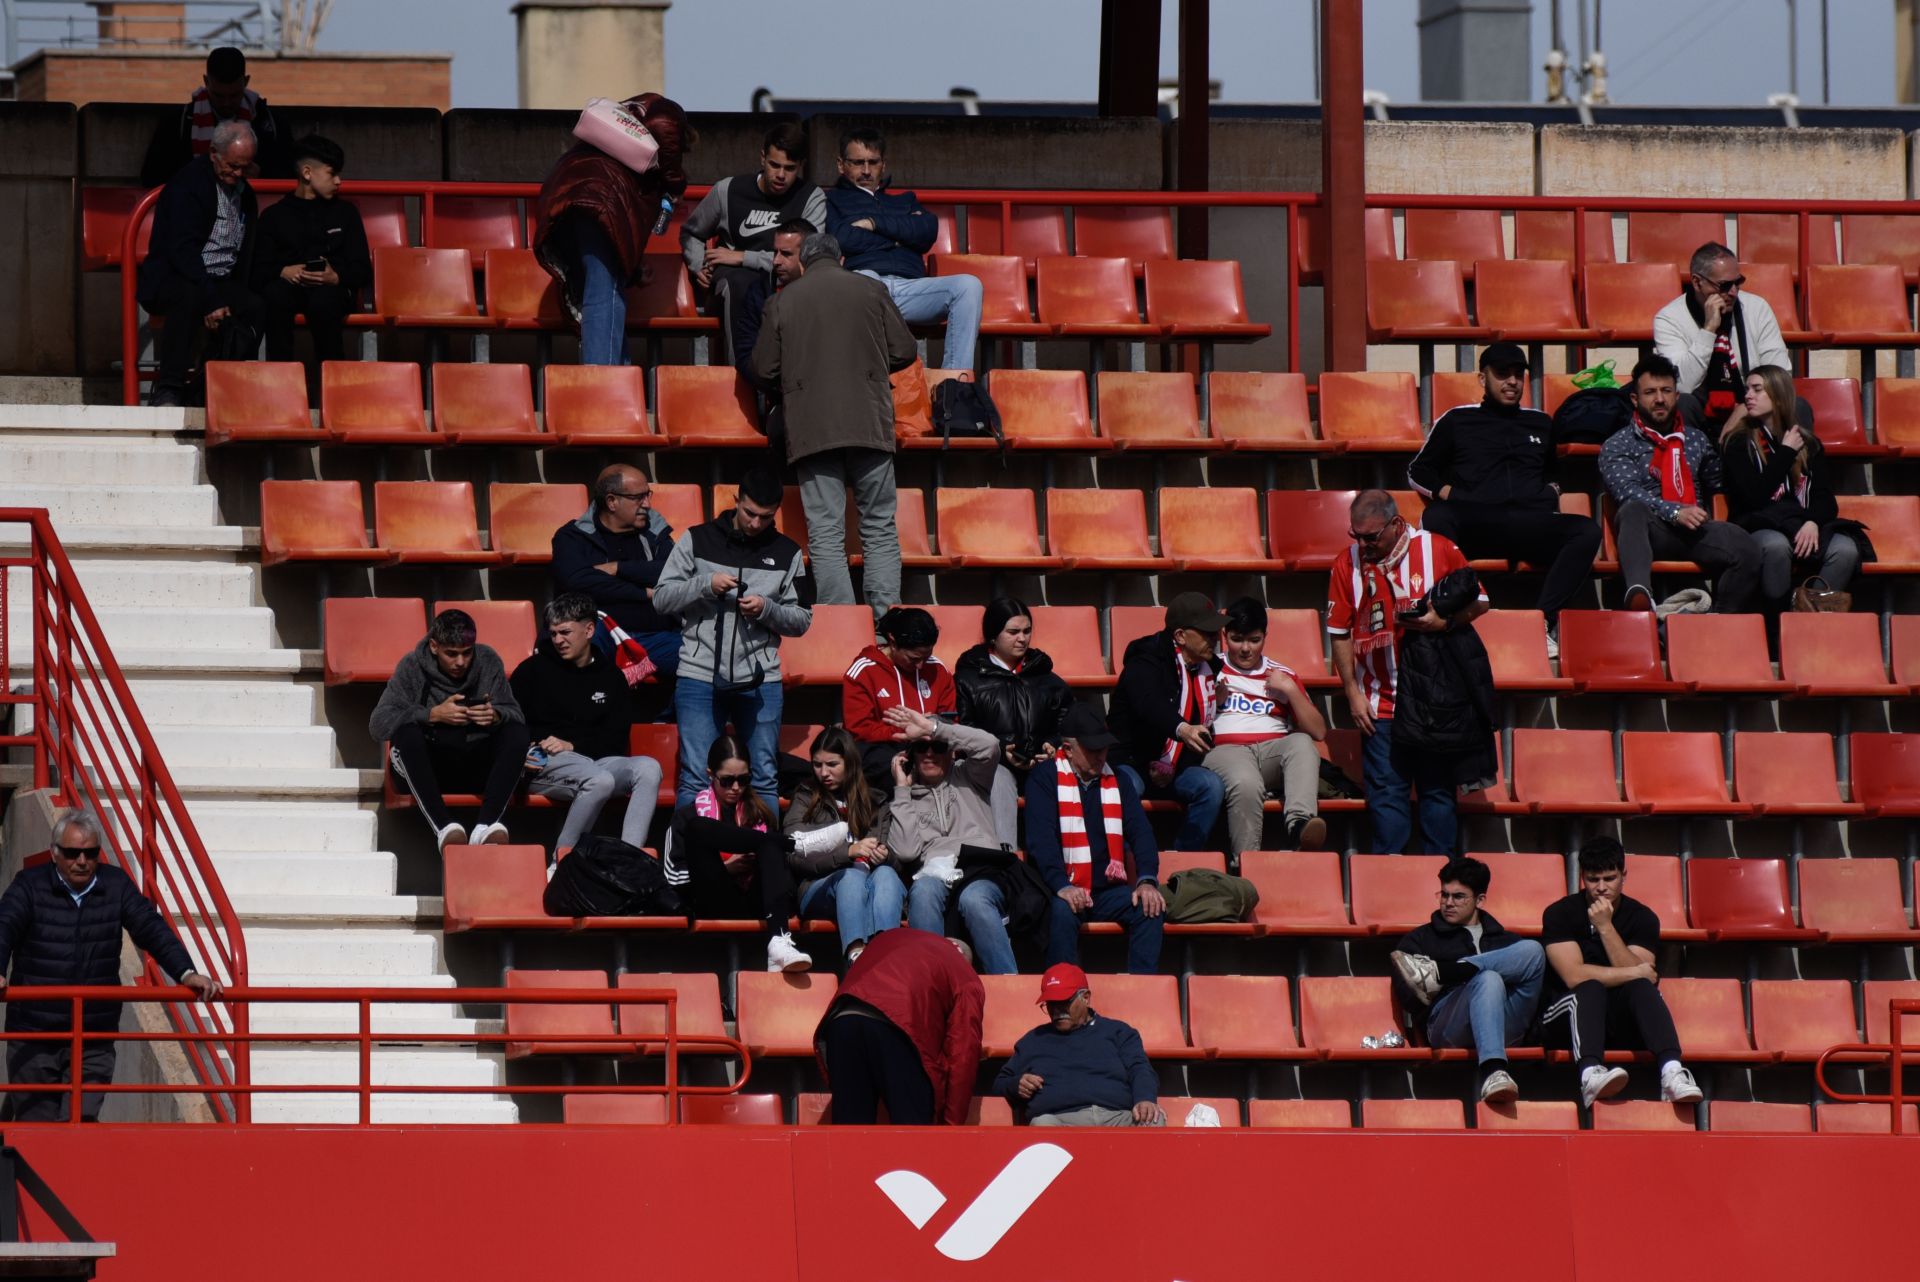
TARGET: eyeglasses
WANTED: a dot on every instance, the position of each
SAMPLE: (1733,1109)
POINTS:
(1453,896)
(631,498)
(77,852)
(1722,286)
(730,781)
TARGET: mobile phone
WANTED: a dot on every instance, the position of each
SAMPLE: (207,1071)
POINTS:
(536,755)
(1408,616)
(316,264)
(480,701)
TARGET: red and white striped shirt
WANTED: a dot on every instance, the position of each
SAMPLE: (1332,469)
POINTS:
(1249,712)
(1363,598)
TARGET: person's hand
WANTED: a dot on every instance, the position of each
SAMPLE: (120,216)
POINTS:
(554,743)
(217,316)
(1715,310)
(723,584)
(1806,540)
(482,714)
(1044,752)
(705,275)
(1445,492)
(1147,1113)
(206,987)
(1198,738)
(752,607)
(1159,774)
(1077,899)
(1428,622)
(900,770)
(864,224)
(725,257)
(1691,517)
(1029,1085)
(1600,912)
(1013,759)
(452,711)
(326,277)
(608,567)
(294,273)
(1361,710)
(1148,899)
(865,850)
(1646,971)
(913,726)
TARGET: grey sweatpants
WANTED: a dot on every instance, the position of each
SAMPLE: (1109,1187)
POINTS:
(824,481)
(591,784)
(1091,1115)
(1288,767)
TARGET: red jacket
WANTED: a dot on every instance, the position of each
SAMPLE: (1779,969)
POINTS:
(873,684)
(926,990)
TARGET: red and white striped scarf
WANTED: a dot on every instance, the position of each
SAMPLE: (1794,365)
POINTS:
(1074,846)
(1196,696)
(628,654)
(204,121)
(1669,462)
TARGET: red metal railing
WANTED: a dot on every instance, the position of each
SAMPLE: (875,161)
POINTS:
(363,1037)
(1895,1050)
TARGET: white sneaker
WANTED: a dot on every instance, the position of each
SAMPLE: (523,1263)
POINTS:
(1499,1088)
(452,835)
(1677,1085)
(783,956)
(1553,644)
(1600,1082)
(820,840)
(1421,974)
(490,835)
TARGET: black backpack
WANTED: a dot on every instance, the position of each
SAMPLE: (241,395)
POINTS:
(604,877)
(963,409)
(1590,416)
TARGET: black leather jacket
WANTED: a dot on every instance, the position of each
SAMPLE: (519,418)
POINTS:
(1024,708)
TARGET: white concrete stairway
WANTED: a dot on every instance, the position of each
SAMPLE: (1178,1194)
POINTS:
(246,741)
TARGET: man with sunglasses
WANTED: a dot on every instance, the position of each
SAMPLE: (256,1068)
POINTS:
(614,553)
(1374,596)
(62,925)
(1716,334)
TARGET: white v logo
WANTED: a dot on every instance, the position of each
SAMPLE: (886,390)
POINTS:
(981,1226)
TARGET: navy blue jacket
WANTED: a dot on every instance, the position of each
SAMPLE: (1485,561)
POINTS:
(183,218)
(1099,1063)
(47,939)
(579,546)
(903,230)
(1043,829)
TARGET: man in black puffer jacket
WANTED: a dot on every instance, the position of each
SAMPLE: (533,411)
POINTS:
(61,925)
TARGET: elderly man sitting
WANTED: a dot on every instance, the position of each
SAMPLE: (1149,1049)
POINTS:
(1080,1068)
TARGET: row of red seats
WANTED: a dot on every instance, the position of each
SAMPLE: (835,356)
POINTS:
(1225,1017)
(1726,1116)
(1699,901)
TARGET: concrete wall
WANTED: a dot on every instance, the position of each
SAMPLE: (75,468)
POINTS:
(38,250)
(81,76)
(1801,164)
(520,146)
(994,151)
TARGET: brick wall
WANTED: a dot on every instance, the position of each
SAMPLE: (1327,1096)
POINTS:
(366,80)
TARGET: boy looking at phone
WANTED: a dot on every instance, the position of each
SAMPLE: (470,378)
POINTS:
(312,256)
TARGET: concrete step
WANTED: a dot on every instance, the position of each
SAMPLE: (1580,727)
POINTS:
(225,703)
(254,782)
(84,539)
(180,639)
(346,954)
(411,1020)
(345,1014)
(276,747)
(283,826)
(321,1109)
(63,459)
(81,421)
(81,505)
(111,584)
(305,872)
(181,661)
(370,909)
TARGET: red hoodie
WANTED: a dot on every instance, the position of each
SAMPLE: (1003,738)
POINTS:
(873,684)
(920,983)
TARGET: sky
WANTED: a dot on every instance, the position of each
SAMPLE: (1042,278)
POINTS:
(1658,51)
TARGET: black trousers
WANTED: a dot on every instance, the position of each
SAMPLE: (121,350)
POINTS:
(1593,1019)
(1564,543)
(435,760)
(869,1061)
(324,306)
(701,846)
(31,1062)
(179,302)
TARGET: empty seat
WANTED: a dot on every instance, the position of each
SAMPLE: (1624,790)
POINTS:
(1710,1016)
(1894,520)
(1896,414)
(1031,231)
(1773,284)
(598,405)
(1782,772)
(1615,651)
(1200,299)
(1860,306)
(1622,298)
(1336,1012)
(1413,1115)
(1863,1119)
(1392,894)
(1775,238)
(1377,410)
(524,517)
(1854,900)
(426,287)
(1418,302)
(315,521)
(1300,892)
(373,403)
(1721,654)
(428,522)
(1309,527)
(258,401)
(1560,772)
(1886,773)
(104,214)
(1301,1114)
(820,656)
(1729,1115)
(484,404)
(1736,899)
(1460,236)
(992,529)
(696,1014)
(1527,1115)
(959,630)
(1841,426)
(1252,411)
(1904,645)
(683,506)
(732,1110)
(777,1013)
(520,293)
(1548,234)
(474,223)
(1522,887)
(1044,409)
(384,219)
(1070,636)
(1210,528)
(1666,237)
(1101,529)
(1676,773)
(1004,312)
(1529,302)
(1243,1016)
(362,638)
(1141,234)
(505,626)
(1088,297)
(1642,1115)
(1516,642)
(611,1108)
(1797,1019)
(1655,881)
(555,1028)
(1834,656)
(1875,994)
(1889,239)
(1310,244)
(1151,412)
(706,405)
(496,888)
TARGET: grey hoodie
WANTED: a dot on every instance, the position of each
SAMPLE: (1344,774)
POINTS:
(931,824)
(418,685)
(718,643)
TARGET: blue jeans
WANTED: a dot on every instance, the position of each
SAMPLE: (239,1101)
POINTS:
(1495,1006)
(862,903)
(603,302)
(703,714)
(1203,792)
(1110,903)
(923,300)
(662,647)
(983,911)
(1387,804)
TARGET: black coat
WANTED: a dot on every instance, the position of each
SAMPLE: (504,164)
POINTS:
(1448,945)
(1444,706)
(1488,454)
(1146,703)
(582,545)
(1025,708)
(183,219)
(47,939)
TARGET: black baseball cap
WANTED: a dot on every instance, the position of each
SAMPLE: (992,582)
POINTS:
(1087,728)
(1505,356)
(1195,610)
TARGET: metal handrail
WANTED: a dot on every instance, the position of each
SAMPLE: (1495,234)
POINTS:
(1898,1053)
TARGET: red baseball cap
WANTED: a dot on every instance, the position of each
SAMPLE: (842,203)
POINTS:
(1061,982)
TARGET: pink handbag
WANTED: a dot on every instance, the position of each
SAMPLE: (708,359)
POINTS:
(613,129)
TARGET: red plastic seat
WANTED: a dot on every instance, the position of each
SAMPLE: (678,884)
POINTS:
(1863,1119)
(104,213)
(959,627)
(820,656)
(1209,528)
(1300,892)
(732,1110)
(1655,881)
(507,627)
(1896,414)
(475,223)
(1721,654)
(1413,1115)
(1310,250)
(1418,302)
(992,529)
(1463,237)
(258,401)
(1905,645)
(1301,1114)
(1623,297)
(1101,529)
(1555,390)
(1044,409)
(1089,297)
(1009,1012)
(1377,410)
(1838,422)
(1150,1003)
(362,638)
(496,888)
(430,287)
(1516,642)
(1527,301)
(485,404)
(555,1029)
(1860,306)
(1677,773)
(1243,1017)
(1308,528)
(706,405)
(1752,1117)
(1888,239)
(1672,237)
(1797,1019)
(1894,522)
(1773,284)
(910,528)
(1616,651)
(1874,996)
(1004,311)
(1202,299)
(1139,233)
(1736,899)
(776,1013)
(384,219)
(1151,412)
(1855,900)
(602,406)
(1033,232)
(1250,411)
(1642,1115)
(1711,1017)
(663,302)
(1834,656)
(428,523)
(696,1014)
(315,521)
(1788,773)
(1392,894)
(520,293)
(1522,887)
(1179,1107)
(1566,772)
(1070,635)
(945,240)
(683,505)
(1548,234)
(1775,238)
(373,403)
(1336,1012)
(1527,1115)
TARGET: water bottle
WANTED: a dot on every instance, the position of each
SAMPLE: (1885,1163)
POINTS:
(666,216)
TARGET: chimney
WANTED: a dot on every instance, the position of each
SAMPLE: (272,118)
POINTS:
(1476,50)
(573,50)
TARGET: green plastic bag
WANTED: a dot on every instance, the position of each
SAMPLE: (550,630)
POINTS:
(1600,375)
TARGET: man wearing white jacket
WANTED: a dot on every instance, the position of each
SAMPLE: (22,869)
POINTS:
(1716,334)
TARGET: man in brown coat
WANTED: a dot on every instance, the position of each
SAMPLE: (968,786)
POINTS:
(828,344)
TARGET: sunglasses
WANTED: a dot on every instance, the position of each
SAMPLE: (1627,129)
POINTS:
(1377,535)
(730,781)
(77,852)
(1722,286)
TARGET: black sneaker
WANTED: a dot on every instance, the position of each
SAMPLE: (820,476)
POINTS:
(1307,834)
